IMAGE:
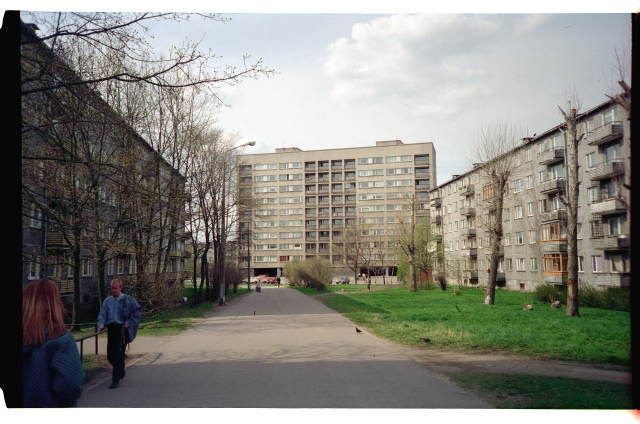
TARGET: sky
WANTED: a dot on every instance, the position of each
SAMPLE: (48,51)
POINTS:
(350,79)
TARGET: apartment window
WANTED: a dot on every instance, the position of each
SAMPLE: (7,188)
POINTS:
(373,208)
(263,178)
(399,171)
(133,265)
(291,165)
(556,171)
(596,263)
(398,183)
(507,239)
(36,217)
(557,204)
(370,172)
(509,264)
(541,177)
(265,235)
(292,223)
(270,189)
(33,271)
(555,263)
(607,117)
(554,231)
(520,237)
(296,211)
(284,189)
(532,236)
(261,224)
(611,152)
(520,264)
(284,200)
(530,209)
(370,184)
(265,167)
(372,196)
(530,181)
(110,267)
(87,267)
(369,161)
(534,264)
(456,225)
(266,212)
(517,212)
(591,160)
(614,226)
(294,234)
(457,245)
(265,259)
(394,159)
(580,263)
(290,177)
(617,262)
(528,154)
(505,214)
(517,186)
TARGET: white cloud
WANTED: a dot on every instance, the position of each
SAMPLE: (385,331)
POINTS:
(531,22)
(410,56)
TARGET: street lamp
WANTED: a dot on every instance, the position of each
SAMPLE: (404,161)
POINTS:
(223,240)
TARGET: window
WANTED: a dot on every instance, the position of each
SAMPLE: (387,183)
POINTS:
(374,208)
(542,206)
(370,172)
(370,184)
(87,267)
(507,239)
(266,212)
(284,189)
(556,171)
(394,159)
(520,237)
(554,231)
(591,160)
(534,264)
(398,183)
(265,259)
(110,267)
(290,200)
(579,230)
(517,212)
(520,264)
(292,223)
(594,194)
(611,153)
(617,263)
(528,154)
(36,217)
(294,234)
(265,235)
(290,177)
(542,175)
(263,178)
(530,209)
(596,263)
(505,214)
(517,186)
(580,263)
(399,171)
(557,204)
(271,189)
(369,161)
(296,211)
(555,263)
(133,265)
(372,196)
(607,117)
(530,181)
(261,224)
(291,246)
(614,226)
(264,167)
(509,264)
(291,165)
(33,271)
(532,236)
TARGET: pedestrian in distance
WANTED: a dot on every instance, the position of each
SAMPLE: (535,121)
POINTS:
(121,314)
(368,282)
(52,371)
(278,280)
(259,286)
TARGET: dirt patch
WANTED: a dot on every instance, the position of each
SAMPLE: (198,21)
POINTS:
(445,362)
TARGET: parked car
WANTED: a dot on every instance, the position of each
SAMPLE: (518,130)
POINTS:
(272,280)
(343,280)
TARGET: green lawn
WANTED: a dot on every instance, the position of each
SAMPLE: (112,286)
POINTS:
(514,391)
(462,322)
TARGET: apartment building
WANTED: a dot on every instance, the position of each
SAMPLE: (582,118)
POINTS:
(534,245)
(308,198)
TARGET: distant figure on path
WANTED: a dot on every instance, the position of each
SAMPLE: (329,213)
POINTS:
(259,286)
(52,372)
(278,280)
(121,313)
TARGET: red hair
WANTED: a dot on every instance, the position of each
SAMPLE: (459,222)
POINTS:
(42,308)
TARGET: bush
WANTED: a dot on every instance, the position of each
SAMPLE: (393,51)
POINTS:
(312,273)
(591,296)
(549,293)
(619,299)
(442,280)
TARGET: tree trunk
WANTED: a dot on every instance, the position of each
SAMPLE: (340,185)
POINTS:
(75,314)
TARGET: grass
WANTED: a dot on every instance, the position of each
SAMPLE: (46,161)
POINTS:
(463,323)
(514,391)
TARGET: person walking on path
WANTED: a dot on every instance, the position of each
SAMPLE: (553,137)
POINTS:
(278,280)
(52,371)
(121,313)
(259,286)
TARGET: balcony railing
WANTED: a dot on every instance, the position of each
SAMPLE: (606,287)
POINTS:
(555,215)
(467,191)
(55,239)
(612,168)
(553,155)
(469,252)
(604,204)
(467,211)
(435,202)
(468,232)
(554,246)
(552,186)
(613,279)
(604,133)
(614,242)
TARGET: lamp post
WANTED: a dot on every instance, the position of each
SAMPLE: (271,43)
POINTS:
(223,238)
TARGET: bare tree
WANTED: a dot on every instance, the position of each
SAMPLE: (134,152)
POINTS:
(352,248)
(494,149)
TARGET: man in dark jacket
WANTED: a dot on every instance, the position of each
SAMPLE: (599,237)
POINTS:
(122,314)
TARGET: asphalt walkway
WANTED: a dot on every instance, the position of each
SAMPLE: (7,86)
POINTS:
(275,349)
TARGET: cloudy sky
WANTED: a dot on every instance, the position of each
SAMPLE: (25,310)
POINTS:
(348,79)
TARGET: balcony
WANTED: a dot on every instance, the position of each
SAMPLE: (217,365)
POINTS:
(437,219)
(422,212)
(468,232)
(336,190)
(613,279)
(324,203)
(500,276)
(323,251)
(310,226)
(553,155)
(421,162)
(467,211)
(467,191)
(608,206)
(555,215)
(473,252)
(604,133)
(336,167)
(55,239)
(612,168)
(500,251)
(554,277)
(554,246)
(473,274)
(615,242)
(491,203)
(323,238)
(435,202)
(552,186)
(323,168)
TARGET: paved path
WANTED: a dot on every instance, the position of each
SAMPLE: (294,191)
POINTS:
(293,353)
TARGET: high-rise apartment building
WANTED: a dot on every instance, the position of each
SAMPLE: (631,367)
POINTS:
(308,198)
(534,243)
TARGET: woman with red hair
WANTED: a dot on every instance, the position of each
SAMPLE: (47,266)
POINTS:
(52,370)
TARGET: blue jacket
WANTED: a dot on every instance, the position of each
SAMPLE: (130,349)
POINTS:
(52,373)
(130,311)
